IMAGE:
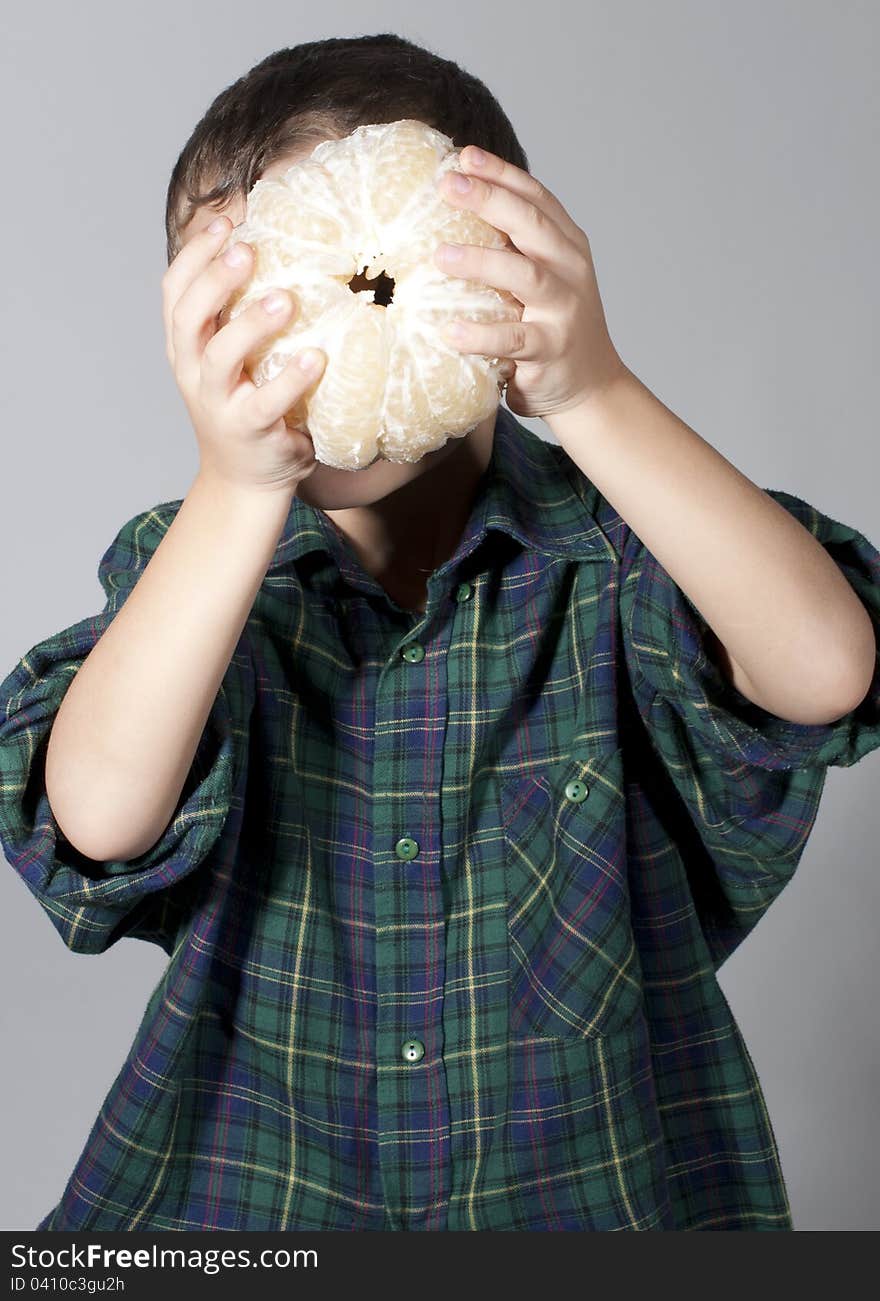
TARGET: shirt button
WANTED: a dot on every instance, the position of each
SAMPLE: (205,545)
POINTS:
(406,848)
(577,791)
(412,1050)
(413,652)
(464,591)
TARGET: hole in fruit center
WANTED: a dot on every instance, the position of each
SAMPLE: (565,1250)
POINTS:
(383,285)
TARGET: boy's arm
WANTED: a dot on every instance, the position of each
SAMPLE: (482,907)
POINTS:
(129,724)
(799,642)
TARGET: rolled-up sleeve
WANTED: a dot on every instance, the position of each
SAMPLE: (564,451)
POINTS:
(666,648)
(751,781)
(91,903)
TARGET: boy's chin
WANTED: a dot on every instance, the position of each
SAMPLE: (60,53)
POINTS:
(330,488)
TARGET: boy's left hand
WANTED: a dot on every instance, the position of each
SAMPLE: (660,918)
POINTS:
(562,349)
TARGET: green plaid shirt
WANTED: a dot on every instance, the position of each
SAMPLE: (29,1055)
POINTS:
(445,894)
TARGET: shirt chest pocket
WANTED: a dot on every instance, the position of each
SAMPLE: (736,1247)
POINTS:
(573,965)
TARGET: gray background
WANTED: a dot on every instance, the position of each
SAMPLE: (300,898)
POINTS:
(722,160)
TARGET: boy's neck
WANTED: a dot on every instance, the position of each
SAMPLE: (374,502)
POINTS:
(403,538)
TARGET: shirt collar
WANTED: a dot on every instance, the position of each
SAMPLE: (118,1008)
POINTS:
(531,490)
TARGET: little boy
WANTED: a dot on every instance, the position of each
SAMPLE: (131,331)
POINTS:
(446,787)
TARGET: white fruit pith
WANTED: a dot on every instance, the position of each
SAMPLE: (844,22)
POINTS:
(392,386)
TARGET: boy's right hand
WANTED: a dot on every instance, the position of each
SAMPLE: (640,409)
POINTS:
(240,426)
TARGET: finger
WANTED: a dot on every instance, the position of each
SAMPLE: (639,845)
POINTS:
(225,352)
(190,261)
(194,316)
(499,171)
(500,268)
(263,406)
(533,230)
(518,340)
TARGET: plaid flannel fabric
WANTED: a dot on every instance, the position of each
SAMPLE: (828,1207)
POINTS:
(445,894)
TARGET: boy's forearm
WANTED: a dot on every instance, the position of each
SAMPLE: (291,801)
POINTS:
(128,726)
(800,641)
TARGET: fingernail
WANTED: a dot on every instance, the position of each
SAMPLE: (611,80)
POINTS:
(476,157)
(460,182)
(455,331)
(235,256)
(310,360)
(217,225)
(275,302)
(451,252)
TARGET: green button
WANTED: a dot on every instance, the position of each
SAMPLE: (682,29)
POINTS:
(413,652)
(412,1050)
(577,791)
(406,847)
(464,591)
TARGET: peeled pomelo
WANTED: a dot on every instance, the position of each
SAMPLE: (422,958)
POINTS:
(351,232)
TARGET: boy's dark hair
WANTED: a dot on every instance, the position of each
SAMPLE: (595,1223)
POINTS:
(320,90)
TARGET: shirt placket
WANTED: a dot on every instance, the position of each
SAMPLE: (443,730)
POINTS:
(412,1094)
